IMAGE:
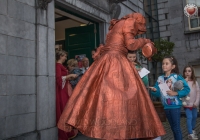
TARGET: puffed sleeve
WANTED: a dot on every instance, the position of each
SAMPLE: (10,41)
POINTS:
(129,32)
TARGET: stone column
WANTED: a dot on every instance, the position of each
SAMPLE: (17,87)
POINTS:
(45,71)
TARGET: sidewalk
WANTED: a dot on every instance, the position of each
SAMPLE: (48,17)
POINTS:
(168,136)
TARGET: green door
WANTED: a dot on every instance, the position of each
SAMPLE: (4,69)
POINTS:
(80,41)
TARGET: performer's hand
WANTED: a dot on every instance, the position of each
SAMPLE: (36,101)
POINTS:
(152,88)
(147,40)
(172,93)
(153,43)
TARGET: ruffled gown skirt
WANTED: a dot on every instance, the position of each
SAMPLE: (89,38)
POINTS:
(111,102)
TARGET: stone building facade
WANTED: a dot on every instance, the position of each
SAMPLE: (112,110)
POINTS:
(27,73)
(175,26)
(27,54)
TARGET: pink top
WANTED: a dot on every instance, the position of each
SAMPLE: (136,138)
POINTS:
(194,94)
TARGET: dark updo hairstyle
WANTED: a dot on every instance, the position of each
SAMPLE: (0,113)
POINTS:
(59,54)
(173,61)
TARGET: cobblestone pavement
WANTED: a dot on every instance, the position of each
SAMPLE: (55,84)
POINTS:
(168,136)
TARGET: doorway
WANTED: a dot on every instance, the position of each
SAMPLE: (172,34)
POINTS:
(76,35)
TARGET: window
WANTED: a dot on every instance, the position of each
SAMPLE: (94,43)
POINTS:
(194,22)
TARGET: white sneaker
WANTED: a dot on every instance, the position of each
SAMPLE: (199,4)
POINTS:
(194,132)
(192,137)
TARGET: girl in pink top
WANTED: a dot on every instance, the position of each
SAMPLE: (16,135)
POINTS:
(193,103)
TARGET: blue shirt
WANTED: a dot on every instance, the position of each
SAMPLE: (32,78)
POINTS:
(170,102)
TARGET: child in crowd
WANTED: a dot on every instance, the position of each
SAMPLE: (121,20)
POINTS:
(132,57)
(171,102)
(193,103)
(74,69)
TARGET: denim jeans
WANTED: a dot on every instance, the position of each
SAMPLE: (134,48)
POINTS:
(191,119)
(174,118)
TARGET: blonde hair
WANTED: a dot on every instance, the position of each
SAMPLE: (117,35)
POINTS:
(59,54)
(72,62)
(170,81)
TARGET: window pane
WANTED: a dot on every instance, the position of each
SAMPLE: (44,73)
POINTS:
(194,23)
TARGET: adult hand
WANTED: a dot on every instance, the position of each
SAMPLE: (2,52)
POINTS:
(73,76)
(152,88)
(153,43)
(172,93)
(147,41)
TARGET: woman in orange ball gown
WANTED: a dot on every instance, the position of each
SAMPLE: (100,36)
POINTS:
(110,101)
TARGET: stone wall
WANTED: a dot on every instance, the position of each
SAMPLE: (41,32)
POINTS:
(174,27)
(27,68)
(27,71)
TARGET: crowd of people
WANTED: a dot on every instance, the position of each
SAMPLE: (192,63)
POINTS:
(124,96)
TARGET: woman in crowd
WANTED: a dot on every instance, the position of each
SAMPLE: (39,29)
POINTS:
(62,96)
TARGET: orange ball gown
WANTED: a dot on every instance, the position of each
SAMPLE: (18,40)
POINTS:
(110,101)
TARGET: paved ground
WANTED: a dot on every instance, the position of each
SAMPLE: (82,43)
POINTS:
(168,136)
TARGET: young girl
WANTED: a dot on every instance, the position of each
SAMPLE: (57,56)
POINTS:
(193,103)
(171,102)
(132,57)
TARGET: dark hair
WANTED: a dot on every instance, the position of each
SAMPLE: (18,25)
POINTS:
(134,52)
(193,77)
(173,60)
(94,49)
(59,54)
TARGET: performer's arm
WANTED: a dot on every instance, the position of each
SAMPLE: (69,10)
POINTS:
(134,44)
(129,32)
